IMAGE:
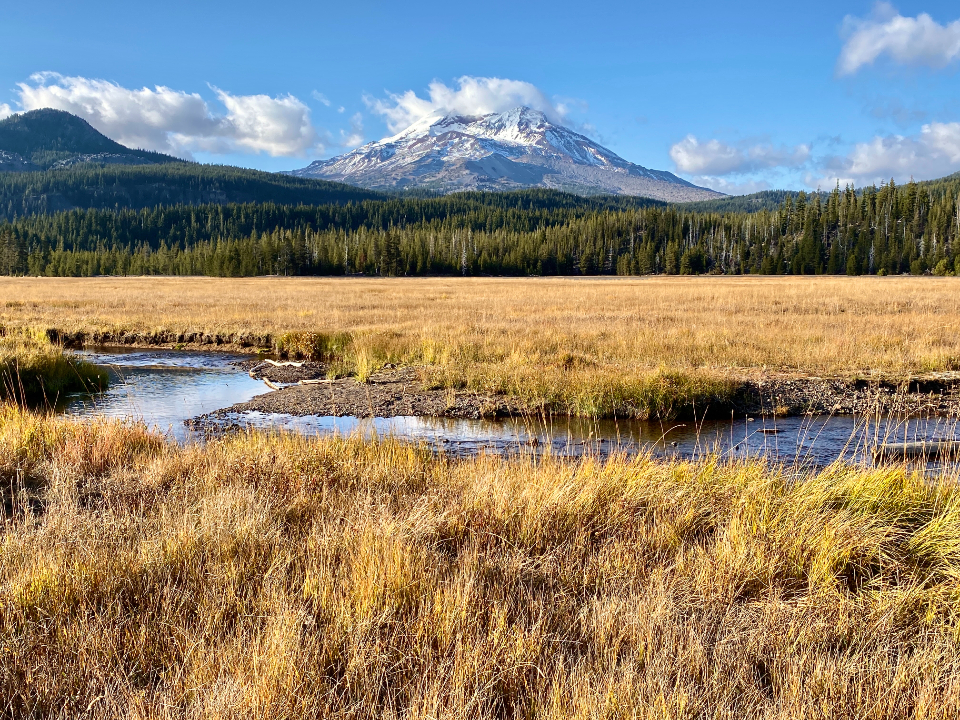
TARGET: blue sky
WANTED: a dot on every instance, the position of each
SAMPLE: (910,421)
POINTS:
(739,98)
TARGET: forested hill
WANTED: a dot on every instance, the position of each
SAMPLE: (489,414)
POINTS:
(43,138)
(891,229)
(51,161)
(148,186)
(765,200)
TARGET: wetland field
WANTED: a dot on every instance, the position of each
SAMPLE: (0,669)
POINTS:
(591,347)
(279,572)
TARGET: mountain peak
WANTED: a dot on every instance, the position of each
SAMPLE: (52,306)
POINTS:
(517,148)
(515,125)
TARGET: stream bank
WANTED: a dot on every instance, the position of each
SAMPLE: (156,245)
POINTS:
(395,392)
(189,395)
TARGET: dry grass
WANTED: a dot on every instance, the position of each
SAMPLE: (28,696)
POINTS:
(33,371)
(587,345)
(282,577)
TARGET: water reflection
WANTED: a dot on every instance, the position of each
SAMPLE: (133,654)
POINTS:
(165,388)
(815,441)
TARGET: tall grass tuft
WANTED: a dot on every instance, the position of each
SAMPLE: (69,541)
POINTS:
(33,371)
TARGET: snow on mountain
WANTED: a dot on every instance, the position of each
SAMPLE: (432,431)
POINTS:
(519,148)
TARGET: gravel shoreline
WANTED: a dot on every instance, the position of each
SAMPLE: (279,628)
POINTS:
(786,396)
(400,392)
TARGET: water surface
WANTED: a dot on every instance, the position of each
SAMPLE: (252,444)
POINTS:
(163,388)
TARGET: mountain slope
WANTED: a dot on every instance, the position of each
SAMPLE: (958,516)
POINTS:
(52,161)
(516,149)
(144,186)
(46,138)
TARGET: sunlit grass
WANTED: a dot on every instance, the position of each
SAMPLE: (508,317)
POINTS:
(281,576)
(33,371)
(610,346)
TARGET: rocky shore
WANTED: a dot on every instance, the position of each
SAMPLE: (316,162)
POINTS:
(400,392)
(785,396)
(389,393)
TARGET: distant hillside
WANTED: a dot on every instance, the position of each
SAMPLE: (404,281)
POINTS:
(144,186)
(886,230)
(537,199)
(45,138)
(766,200)
(772,200)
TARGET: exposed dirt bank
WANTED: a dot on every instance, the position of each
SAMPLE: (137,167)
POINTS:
(238,342)
(389,393)
(783,395)
(396,392)
(284,373)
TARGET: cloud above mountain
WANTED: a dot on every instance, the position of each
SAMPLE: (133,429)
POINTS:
(923,151)
(932,152)
(919,40)
(714,157)
(5,111)
(471,96)
(178,122)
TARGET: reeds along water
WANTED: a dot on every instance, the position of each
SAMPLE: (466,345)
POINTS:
(279,575)
(36,373)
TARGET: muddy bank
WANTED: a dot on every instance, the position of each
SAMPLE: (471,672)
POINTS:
(239,342)
(786,396)
(400,392)
(390,393)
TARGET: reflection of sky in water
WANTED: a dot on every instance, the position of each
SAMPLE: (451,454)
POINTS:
(816,441)
(164,387)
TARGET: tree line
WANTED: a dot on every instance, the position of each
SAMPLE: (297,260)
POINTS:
(888,229)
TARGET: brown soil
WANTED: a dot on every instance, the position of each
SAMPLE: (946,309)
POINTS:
(233,342)
(395,392)
(388,393)
(937,394)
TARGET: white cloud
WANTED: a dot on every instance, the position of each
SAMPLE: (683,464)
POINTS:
(907,40)
(472,96)
(355,136)
(932,153)
(5,111)
(716,158)
(278,126)
(320,97)
(731,187)
(175,121)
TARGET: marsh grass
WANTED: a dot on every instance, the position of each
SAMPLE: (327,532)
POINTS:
(625,347)
(34,372)
(658,394)
(282,576)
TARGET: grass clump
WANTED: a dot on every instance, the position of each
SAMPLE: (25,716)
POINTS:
(281,576)
(34,371)
(594,392)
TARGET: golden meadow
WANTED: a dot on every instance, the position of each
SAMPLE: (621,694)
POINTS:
(287,577)
(587,346)
(279,576)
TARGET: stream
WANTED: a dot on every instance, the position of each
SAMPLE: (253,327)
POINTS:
(163,388)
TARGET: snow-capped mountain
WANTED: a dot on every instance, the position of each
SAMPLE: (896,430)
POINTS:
(519,148)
